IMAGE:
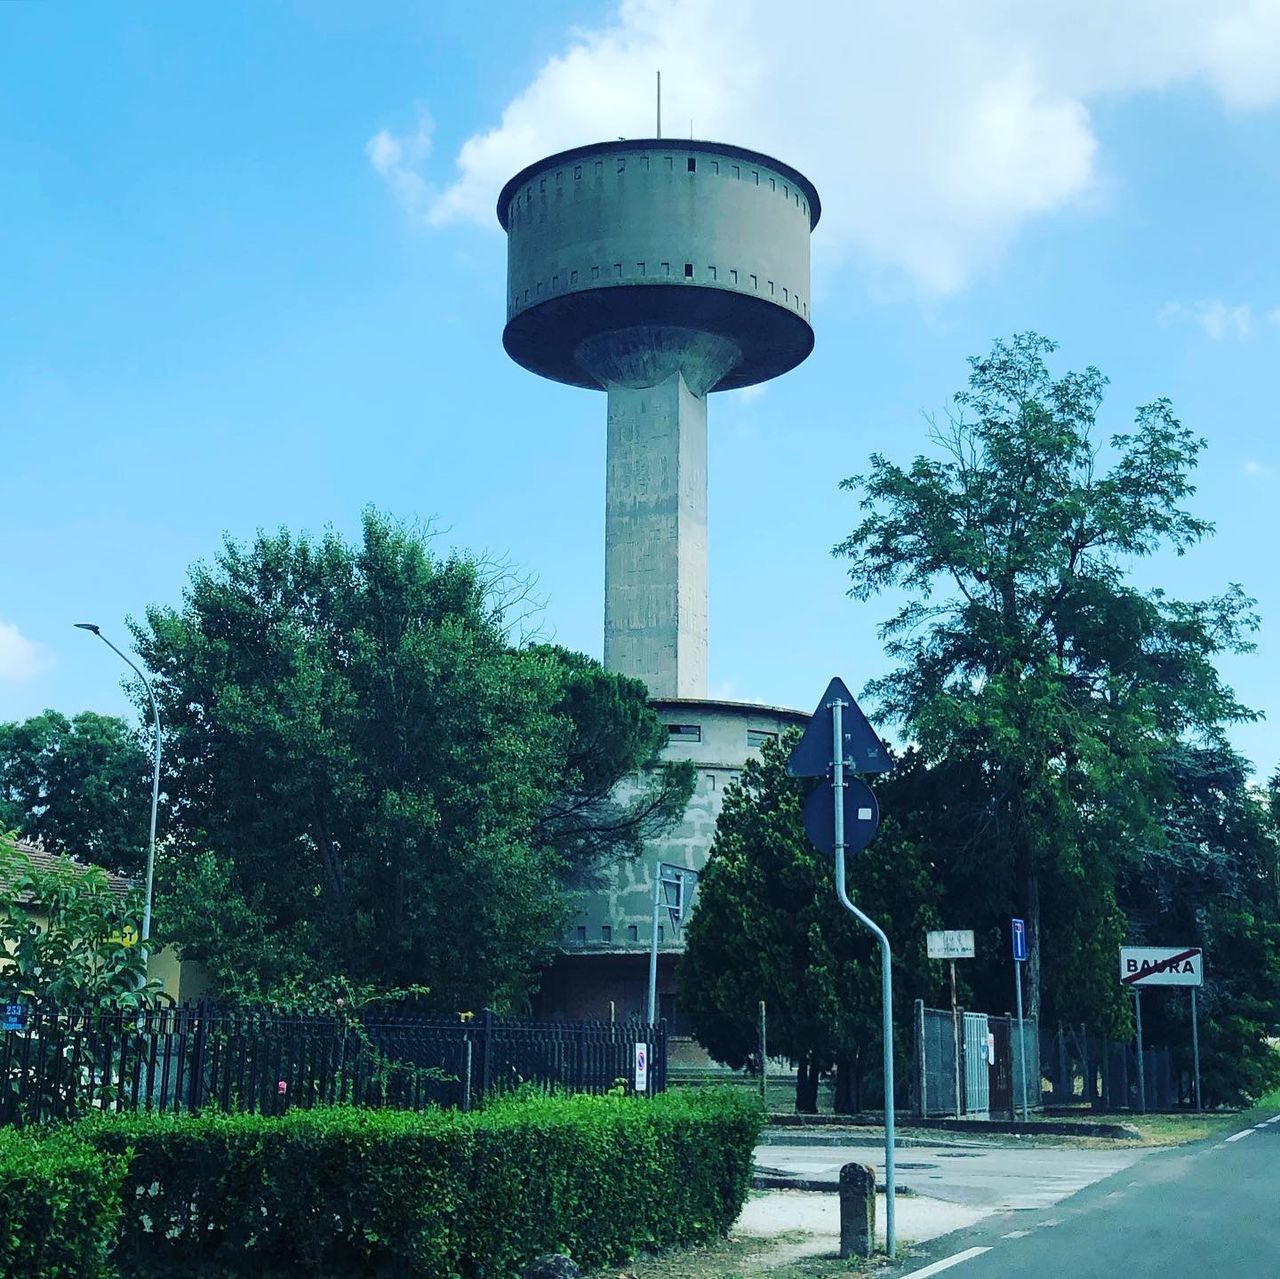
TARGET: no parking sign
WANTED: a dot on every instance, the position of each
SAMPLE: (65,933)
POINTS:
(642,1068)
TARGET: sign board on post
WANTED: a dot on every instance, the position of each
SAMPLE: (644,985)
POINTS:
(863,750)
(642,1068)
(951,943)
(837,738)
(861,816)
(1161,966)
(1019,940)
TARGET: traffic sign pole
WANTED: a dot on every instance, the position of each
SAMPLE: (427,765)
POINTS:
(653,945)
(1022,1034)
(1018,937)
(1195,1042)
(886,968)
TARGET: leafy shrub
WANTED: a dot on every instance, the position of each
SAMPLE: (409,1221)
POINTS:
(342,1191)
(59,1206)
(318,1192)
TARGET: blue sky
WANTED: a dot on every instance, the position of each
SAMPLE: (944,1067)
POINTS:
(250,277)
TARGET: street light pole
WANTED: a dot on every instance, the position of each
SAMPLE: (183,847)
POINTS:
(155,782)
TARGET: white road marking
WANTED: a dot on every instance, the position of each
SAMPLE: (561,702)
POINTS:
(946,1263)
(1235,1136)
(1273,1119)
(1016,1234)
(1116,1194)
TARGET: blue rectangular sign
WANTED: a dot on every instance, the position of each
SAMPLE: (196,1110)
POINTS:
(14,1017)
(1019,940)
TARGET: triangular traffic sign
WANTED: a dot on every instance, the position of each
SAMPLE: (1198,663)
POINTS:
(864,752)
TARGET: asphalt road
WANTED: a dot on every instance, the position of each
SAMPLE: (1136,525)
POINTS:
(1208,1211)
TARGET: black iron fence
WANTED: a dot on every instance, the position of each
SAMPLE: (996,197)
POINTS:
(59,1063)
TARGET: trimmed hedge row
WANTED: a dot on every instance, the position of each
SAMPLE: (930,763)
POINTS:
(59,1207)
(341,1192)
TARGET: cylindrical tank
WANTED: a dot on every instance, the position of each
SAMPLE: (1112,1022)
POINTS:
(630,260)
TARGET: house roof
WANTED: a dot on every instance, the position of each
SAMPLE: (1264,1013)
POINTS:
(43,860)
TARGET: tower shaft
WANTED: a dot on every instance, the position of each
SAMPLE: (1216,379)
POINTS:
(655,614)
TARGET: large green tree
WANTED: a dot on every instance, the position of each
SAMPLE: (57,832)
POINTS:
(80,786)
(368,766)
(1212,881)
(1025,652)
(768,927)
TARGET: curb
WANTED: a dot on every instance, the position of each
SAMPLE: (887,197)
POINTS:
(765,1181)
(973,1127)
(852,1137)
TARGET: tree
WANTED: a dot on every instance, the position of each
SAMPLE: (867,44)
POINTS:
(70,937)
(1212,879)
(78,786)
(1024,652)
(379,775)
(768,926)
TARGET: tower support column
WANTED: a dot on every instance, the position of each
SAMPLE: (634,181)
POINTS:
(655,625)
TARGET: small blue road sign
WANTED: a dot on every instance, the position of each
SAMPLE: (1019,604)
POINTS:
(864,752)
(861,816)
(1019,940)
(14,1017)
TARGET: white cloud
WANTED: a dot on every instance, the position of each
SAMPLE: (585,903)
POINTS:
(1255,468)
(933,130)
(399,162)
(1216,318)
(21,659)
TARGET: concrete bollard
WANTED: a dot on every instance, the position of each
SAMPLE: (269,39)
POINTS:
(857,1210)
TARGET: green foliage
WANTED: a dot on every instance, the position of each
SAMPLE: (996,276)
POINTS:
(67,933)
(385,786)
(1029,664)
(79,786)
(59,1206)
(1214,878)
(340,1192)
(768,926)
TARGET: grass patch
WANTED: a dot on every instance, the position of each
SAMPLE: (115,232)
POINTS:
(743,1257)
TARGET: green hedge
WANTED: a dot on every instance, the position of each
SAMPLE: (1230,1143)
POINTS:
(341,1192)
(59,1206)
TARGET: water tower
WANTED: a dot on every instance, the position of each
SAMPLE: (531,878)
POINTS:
(659,271)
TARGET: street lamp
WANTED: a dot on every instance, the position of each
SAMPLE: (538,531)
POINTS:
(155,783)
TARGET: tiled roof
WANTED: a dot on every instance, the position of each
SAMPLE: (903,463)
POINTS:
(43,860)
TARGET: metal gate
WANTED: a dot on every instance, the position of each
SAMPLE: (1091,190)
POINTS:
(1000,1095)
(977,1085)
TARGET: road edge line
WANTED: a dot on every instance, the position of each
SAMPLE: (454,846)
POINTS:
(937,1267)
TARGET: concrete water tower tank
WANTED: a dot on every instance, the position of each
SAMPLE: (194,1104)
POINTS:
(658,271)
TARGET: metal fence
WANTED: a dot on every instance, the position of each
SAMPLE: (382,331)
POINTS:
(1082,1068)
(59,1063)
(984,1079)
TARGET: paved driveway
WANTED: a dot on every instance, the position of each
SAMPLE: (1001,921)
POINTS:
(995,1178)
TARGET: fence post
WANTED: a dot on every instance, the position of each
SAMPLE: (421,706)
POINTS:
(922,1074)
(660,1076)
(466,1072)
(486,1053)
(763,1049)
(1013,1078)
(195,1091)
